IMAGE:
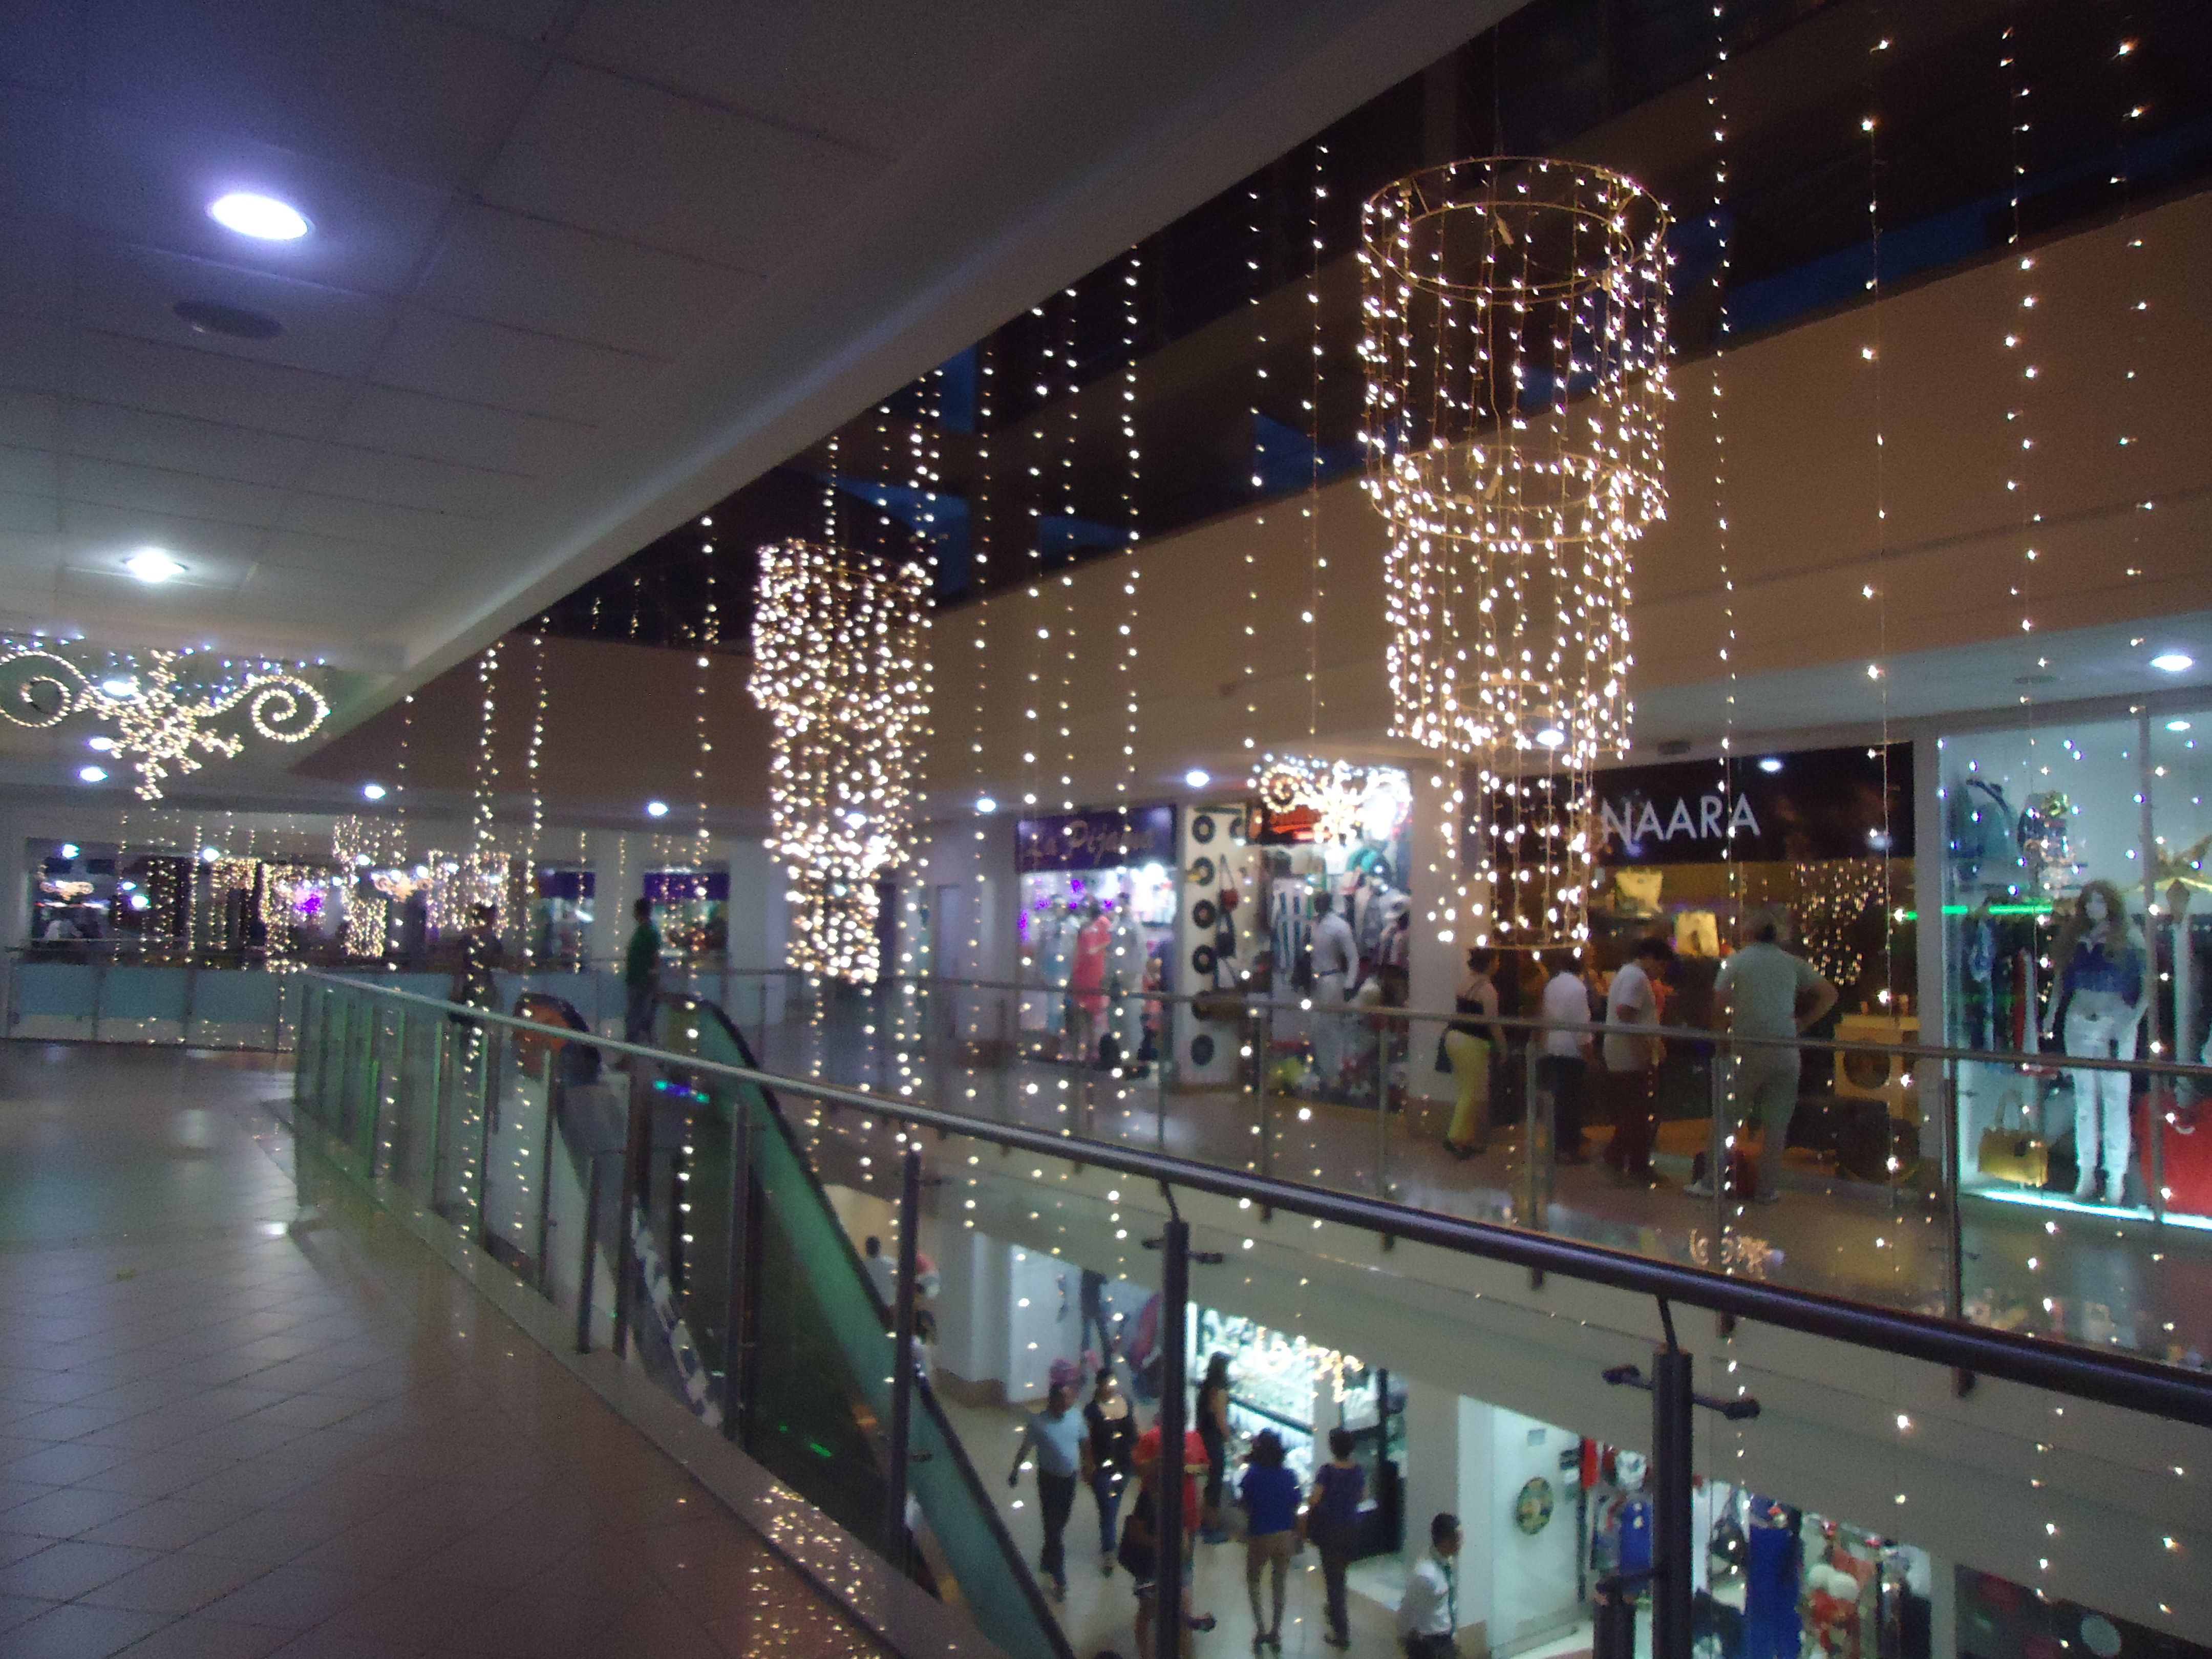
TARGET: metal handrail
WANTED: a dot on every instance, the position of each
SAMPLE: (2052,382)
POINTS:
(2049,1059)
(2112,1378)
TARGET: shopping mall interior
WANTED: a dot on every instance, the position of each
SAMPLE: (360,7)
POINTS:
(773,778)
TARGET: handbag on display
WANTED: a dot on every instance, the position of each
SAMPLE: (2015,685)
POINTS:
(2018,1155)
(1443,1055)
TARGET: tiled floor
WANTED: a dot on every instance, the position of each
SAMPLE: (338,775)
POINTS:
(219,1441)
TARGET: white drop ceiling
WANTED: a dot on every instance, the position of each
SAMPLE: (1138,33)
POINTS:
(578,267)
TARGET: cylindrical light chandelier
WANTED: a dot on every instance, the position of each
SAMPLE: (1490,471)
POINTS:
(840,663)
(1516,347)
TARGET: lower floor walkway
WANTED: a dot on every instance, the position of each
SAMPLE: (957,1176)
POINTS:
(221,1439)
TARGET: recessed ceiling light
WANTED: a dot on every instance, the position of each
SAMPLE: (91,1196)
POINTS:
(93,774)
(1196,778)
(1771,764)
(120,687)
(208,316)
(70,849)
(2177,726)
(371,792)
(986,806)
(104,744)
(151,564)
(1552,738)
(2173,662)
(656,809)
(262,217)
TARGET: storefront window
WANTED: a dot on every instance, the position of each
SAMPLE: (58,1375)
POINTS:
(691,908)
(1098,926)
(560,917)
(2061,938)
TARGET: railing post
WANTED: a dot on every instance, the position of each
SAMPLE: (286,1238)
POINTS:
(737,1317)
(1168,1475)
(587,1270)
(637,1162)
(1382,1108)
(895,1484)
(1672,1401)
(1261,1032)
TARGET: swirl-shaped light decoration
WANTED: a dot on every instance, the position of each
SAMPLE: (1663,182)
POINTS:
(841,664)
(157,729)
(1515,352)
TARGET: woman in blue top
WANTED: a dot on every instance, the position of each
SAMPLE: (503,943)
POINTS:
(1271,1530)
(2103,992)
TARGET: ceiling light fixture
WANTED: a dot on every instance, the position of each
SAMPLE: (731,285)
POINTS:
(371,792)
(2173,662)
(262,217)
(1771,764)
(656,809)
(153,564)
(1196,778)
(2177,726)
(70,849)
(986,806)
(93,774)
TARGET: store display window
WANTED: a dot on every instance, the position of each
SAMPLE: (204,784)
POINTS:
(1097,921)
(1280,1380)
(691,908)
(561,915)
(2077,919)
(1775,1579)
(1688,850)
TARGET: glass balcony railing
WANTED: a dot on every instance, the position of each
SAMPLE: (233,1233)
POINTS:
(694,1206)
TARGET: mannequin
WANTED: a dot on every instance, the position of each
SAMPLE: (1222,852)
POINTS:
(2103,992)
(1087,982)
(1771,1627)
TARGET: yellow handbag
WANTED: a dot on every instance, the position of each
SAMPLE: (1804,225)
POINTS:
(2018,1155)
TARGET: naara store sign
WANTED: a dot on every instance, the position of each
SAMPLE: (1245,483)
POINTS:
(1854,802)
(1846,803)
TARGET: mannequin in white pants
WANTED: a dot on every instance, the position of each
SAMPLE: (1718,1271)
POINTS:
(2104,992)
(1335,976)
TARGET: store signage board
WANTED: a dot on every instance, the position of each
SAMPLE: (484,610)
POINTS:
(1107,840)
(1846,803)
(1296,826)
(686,886)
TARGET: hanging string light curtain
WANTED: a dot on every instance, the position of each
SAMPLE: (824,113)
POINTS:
(1515,353)
(840,665)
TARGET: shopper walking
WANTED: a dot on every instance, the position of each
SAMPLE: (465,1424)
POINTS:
(1339,1487)
(1470,1041)
(1270,1494)
(1213,1431)
(1140,1551)
(1630,1078)
(1335,958)
(1562,1061)
(1109,1457)
(1766,992)
(1428,1616)
(1055,1436)
(641,974)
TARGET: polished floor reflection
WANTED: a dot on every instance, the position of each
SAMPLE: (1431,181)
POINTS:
(220,1439)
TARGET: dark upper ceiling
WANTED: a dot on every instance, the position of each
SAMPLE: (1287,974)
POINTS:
(578,268)
(1221,334)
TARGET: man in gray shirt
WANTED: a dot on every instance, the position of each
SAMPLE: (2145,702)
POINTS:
(1768,992)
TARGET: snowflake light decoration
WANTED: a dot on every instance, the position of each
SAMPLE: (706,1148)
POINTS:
(157,728)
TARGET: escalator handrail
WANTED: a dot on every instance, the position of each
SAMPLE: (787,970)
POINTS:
(924,1395)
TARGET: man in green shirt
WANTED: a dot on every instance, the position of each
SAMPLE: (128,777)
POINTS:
(1768,992)
(641,974)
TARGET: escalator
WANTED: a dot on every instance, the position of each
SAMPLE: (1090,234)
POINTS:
(816,1354)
